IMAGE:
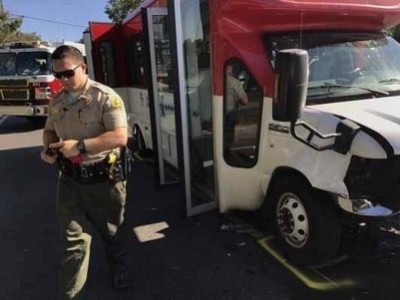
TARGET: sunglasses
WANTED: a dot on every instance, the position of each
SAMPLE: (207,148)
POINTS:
(66,74)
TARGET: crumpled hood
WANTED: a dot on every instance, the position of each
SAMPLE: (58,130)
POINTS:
(381,115)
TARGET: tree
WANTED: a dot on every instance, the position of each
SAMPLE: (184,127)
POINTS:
(24,37)
(395,32)
(117,10)
(8,26)
(9,29)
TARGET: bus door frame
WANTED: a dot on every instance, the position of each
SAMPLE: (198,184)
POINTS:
(181,110)
(154,102)
(181,116)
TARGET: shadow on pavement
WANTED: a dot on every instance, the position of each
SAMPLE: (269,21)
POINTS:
(13,124)
(194,260)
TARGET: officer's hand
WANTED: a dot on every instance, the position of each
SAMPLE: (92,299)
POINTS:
(50,159)
(68,148)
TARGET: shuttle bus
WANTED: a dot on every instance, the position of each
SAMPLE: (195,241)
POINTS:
(285,106)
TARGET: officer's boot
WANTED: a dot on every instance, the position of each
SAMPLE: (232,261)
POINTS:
(119,276)
(117,255)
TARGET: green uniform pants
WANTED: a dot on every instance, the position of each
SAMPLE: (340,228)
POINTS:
(81,209)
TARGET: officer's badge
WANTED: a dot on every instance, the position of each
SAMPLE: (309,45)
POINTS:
(116,102)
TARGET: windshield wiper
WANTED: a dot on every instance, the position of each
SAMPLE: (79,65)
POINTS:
(390,80)
(331,85)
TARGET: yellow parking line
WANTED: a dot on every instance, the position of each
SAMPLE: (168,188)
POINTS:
(312,278)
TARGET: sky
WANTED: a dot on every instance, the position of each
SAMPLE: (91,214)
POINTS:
(74,12)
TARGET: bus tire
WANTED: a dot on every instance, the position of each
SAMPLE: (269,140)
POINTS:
(305,222)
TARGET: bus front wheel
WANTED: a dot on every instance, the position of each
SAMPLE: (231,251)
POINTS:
(305,222)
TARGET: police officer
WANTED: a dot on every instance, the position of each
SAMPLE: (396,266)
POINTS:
(85,132)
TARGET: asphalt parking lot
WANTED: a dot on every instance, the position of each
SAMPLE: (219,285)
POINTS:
(209,256)
(194,258)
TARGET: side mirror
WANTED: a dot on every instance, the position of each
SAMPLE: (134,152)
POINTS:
(347,130)
(291,68)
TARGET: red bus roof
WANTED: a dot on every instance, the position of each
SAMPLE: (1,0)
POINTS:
(291,15)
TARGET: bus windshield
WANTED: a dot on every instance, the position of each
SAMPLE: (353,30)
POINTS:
(25,64)
(346,66)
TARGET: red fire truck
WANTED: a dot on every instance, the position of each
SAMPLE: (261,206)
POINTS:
(287,106)
(26,80)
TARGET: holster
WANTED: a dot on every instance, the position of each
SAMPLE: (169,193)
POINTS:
(122,167)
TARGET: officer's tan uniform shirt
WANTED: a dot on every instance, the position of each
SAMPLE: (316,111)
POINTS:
(98,109)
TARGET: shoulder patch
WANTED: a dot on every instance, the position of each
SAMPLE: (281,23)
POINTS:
(116,102)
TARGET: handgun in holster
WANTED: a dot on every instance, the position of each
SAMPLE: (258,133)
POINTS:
(127,159)
(119,166)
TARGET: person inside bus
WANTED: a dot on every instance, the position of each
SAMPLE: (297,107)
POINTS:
(235,96)
(86,134)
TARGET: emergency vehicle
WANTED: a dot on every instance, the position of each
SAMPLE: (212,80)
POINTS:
(317,146)
(26,80)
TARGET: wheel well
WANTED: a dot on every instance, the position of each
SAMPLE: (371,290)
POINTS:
(285,172)
(137,126)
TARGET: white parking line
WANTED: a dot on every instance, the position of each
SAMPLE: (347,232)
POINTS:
(2,119)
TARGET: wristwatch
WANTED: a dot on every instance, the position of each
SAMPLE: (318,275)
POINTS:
(81,146)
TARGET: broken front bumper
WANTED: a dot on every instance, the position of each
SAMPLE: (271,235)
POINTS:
(365,208)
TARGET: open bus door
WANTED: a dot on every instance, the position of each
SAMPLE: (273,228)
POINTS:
(161,95)
(179,136)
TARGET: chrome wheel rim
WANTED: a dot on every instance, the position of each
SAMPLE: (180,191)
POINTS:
(292,220)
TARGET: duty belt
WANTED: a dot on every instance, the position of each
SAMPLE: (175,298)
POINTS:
(87,174)
(114,170)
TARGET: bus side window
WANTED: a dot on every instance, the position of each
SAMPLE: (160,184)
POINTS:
(243,98)
(108,63)
(136,61)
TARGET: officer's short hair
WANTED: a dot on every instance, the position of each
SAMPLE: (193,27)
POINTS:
(67,51)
